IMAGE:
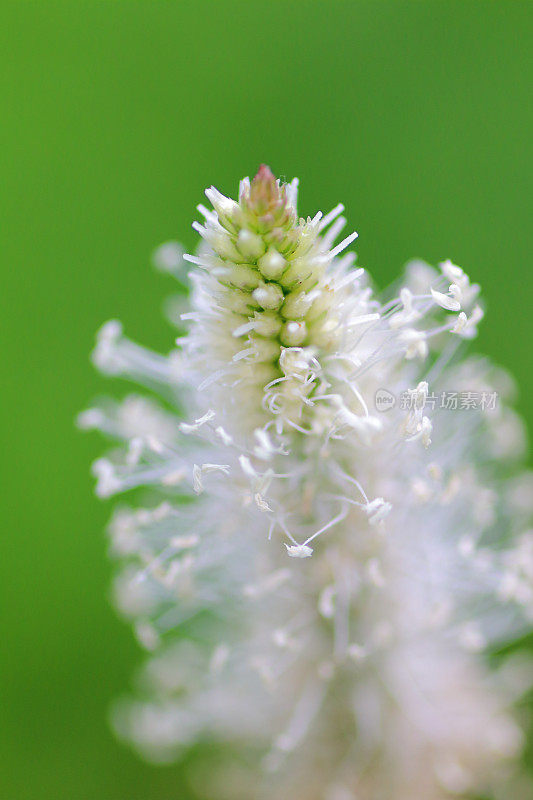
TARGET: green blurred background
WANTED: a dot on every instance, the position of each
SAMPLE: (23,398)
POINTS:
(116,115)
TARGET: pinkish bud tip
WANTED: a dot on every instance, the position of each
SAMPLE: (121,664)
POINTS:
(264,174)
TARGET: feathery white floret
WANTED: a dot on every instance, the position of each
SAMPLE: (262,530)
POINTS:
(320,577)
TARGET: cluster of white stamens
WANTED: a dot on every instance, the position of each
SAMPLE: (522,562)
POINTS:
(357,672)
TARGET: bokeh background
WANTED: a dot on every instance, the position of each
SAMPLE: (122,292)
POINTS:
(116,115)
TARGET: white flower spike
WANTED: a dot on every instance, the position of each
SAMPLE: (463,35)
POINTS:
(303,582)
